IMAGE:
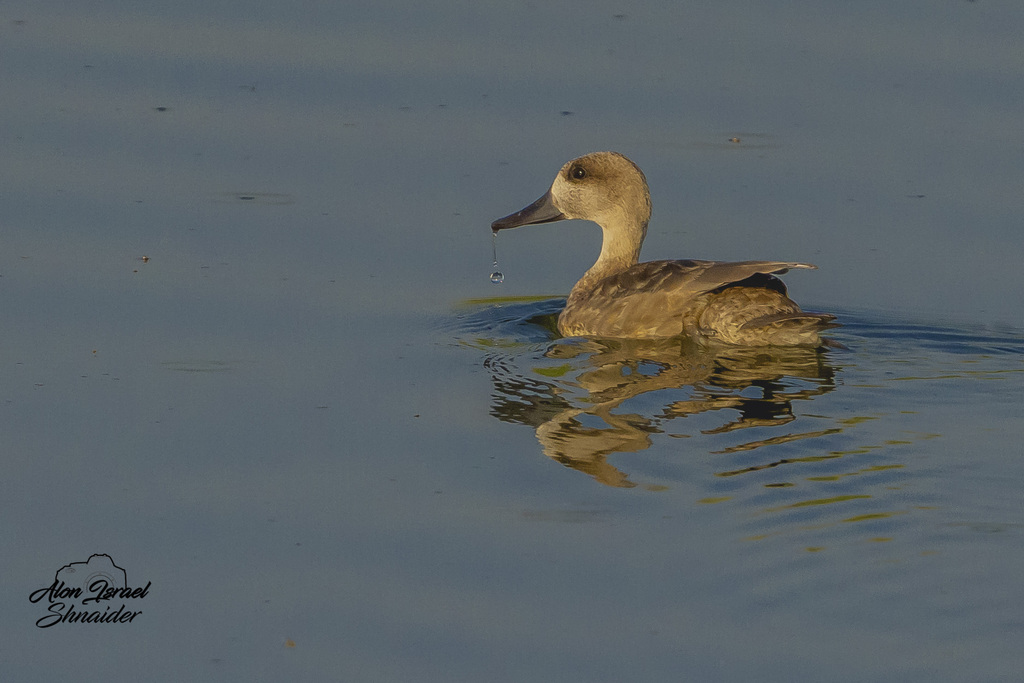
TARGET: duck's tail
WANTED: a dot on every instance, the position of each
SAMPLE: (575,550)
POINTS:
(762,316)
(789,329)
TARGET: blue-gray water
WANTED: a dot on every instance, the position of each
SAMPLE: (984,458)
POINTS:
(251,350)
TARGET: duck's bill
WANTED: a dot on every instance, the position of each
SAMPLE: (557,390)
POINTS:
(541,211)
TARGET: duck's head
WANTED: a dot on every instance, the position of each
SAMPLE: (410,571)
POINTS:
(604,187)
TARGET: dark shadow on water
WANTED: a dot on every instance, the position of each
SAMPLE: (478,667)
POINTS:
(630,390)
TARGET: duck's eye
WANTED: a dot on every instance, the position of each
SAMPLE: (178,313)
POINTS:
(578,172)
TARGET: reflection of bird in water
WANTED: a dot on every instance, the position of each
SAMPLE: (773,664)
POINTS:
(735,303)
(582,417)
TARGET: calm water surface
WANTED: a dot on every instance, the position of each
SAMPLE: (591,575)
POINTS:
(251,350)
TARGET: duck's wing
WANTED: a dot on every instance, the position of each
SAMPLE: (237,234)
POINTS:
(662,298)
(690,278)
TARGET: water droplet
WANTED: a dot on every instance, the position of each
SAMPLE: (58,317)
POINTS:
(496,277)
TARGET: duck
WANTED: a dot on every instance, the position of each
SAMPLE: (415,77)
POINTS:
(741,303)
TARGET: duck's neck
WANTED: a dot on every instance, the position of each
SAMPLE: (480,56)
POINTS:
(620,250)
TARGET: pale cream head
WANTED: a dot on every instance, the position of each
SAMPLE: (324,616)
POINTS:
(604,187)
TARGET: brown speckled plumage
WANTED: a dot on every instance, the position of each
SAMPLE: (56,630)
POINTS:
(733,303)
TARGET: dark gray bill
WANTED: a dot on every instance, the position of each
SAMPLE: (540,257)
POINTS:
(541,211)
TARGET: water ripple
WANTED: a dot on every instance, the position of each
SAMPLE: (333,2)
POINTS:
(810,439)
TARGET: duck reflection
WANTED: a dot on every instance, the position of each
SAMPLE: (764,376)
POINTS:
(589,399)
